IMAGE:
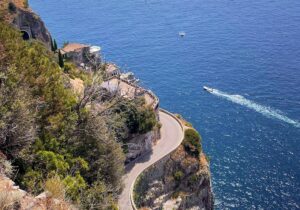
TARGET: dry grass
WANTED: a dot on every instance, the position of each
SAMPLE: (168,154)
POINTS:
(5,167)
(10,200)
(203,160)
(55,187)
(77,86)
(58,205)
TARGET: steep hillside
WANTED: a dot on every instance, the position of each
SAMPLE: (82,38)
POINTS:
(49,134)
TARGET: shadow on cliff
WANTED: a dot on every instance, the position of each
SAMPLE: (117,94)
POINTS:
(141,159)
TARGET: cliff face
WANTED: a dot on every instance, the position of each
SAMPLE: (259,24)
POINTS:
(178,181)
(32,25)
(140,145)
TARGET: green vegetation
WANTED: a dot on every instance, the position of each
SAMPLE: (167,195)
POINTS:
(193,179)
(60,59)
(178,175)
(53,45)
(55,187)
(192,142)
(56,138)
(138,118)
(138,188)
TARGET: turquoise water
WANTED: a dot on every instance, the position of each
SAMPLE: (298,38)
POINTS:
(249,51)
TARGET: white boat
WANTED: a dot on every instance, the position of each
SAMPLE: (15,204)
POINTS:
(208,89)
(181,33)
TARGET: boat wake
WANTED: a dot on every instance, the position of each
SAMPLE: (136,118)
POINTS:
(266,111)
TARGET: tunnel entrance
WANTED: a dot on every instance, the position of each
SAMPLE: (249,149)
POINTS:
(25,35)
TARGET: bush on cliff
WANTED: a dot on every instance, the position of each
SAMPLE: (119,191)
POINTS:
(178,175)
(139,118)
(192,142)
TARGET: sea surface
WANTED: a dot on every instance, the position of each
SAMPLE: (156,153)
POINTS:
(248,51)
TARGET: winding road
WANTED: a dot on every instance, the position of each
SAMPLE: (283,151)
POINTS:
(171,137)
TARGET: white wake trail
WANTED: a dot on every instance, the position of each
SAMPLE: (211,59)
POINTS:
(266,111)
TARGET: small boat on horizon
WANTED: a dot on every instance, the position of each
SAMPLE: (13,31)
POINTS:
(208,89)
(181,33)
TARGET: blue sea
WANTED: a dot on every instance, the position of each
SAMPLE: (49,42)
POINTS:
(248,51)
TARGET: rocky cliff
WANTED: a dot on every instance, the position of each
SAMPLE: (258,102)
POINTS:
(32,25)
(12,197)
(140,145)
(178,181)
(18,14)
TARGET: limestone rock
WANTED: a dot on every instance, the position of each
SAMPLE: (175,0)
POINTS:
(31,24)
(140,144)
(178,181)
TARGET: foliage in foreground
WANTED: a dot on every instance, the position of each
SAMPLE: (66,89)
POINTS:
(55,138)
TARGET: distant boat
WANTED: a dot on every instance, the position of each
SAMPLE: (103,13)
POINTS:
(181,33)
(208,89)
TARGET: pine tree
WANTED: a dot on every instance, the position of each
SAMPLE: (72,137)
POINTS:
(60,59)
(54,45)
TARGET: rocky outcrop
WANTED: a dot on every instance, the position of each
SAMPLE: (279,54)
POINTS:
(31,26)
(12,197)
(140,144)
(178,181)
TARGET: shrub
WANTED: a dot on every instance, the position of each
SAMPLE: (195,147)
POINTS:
(33,182)
(139,119)
(192,142)
(60,59)
(55,187)
(50,161)
(74,185)
(5,167)
(10,200)
(193,179)
(97,197)
(178,175)
(147,120)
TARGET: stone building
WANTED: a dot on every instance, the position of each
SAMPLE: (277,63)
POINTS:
(82,55)
(75,52)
